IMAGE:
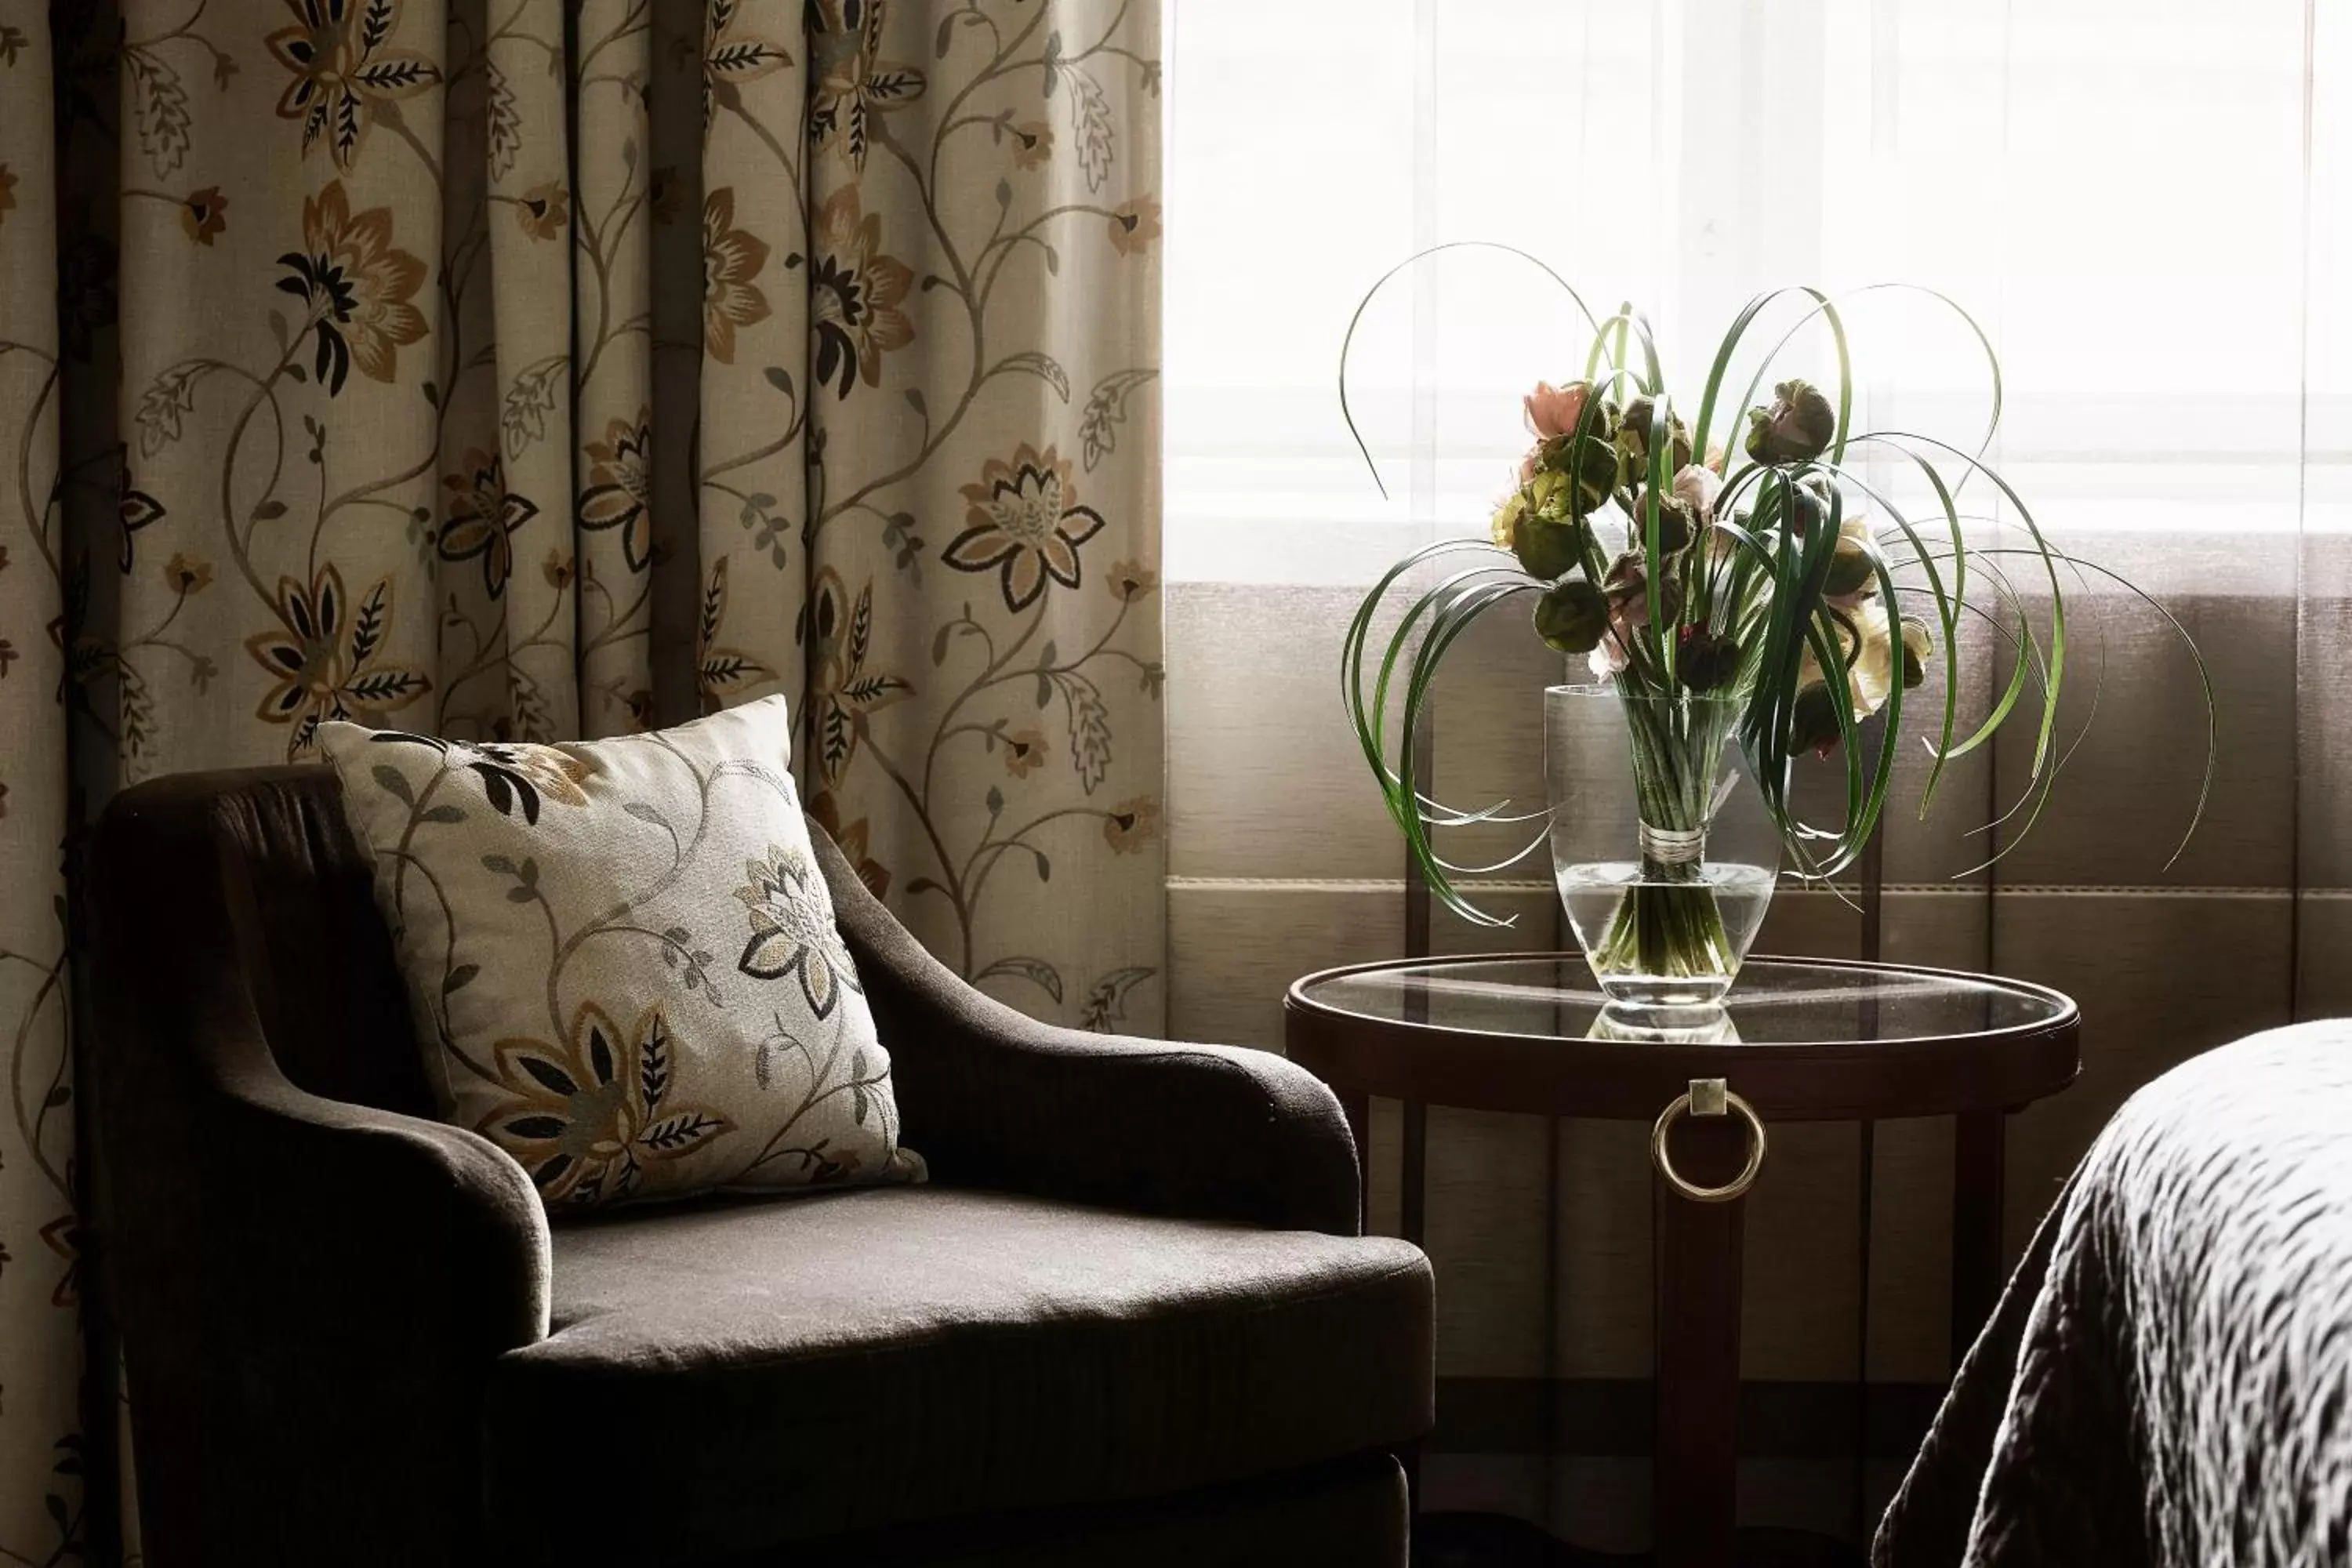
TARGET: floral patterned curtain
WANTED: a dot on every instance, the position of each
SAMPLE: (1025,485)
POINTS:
(539,368)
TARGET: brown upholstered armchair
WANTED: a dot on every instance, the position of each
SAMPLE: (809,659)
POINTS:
(1130,1320)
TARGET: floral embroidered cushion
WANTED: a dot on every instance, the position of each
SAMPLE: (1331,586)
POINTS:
(622,958)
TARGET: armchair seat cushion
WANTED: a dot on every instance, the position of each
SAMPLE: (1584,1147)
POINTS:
(725,1378)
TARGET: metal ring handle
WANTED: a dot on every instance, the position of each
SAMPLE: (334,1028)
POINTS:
(1675,1179)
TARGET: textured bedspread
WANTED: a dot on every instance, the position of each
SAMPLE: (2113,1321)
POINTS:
(2168,1381)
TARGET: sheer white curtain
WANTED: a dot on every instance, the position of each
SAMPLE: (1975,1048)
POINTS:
(2147,203)
(2118,189)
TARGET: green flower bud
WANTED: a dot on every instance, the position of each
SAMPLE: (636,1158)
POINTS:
(1547,550)
(1504,527)
(1634,437)
(1706,660)
(1853,568)
(1547,495)
(1572,615)
(1796,428)
(1674,526)
(1918,646)
(1599,468)
(1813,723)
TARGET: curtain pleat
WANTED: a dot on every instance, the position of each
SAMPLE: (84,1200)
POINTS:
(40,1432)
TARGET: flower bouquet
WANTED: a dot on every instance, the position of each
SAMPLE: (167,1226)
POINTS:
(1730,574)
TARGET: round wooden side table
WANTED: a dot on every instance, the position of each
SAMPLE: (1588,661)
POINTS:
(1807,1040)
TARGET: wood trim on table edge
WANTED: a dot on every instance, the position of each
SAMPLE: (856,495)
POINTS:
(1995,1069)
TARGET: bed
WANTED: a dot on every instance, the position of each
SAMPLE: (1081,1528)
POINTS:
(2167,1380)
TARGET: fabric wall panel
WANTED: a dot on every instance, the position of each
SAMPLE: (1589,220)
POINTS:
(1264,779)
(2161,977)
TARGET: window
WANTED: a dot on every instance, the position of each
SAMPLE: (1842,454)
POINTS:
(2117,189)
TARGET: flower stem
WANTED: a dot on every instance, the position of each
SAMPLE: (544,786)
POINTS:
(1668,924)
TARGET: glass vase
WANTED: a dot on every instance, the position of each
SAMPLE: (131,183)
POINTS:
(1662,848)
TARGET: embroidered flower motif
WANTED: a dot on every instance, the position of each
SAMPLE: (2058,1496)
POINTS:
(825,1165)
(620,487)
(62,1235)
(792,931)
(719,669)
(853,82)
(558,567)
(7,193)
(483,517)
(544,211)
(1134,224)
(187,574)
(841,692)
(358,289)
(1025,751)
(1131,825)
(731,257)
(515,774)
(345,77)
(586,1117)
(854,840)
(521,775)
(203,214)
(324,658)
(1025,518)
(1130,580)
(1032,143)
(136,509)
(730,58)
(854,292)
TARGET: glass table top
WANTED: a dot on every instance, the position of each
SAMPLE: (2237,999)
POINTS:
(1777,1001)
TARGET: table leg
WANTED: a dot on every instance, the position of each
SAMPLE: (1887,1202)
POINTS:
(1412,1213)
(1358,1109)
(1696,1478)
(1978,1139)
(1412,1204)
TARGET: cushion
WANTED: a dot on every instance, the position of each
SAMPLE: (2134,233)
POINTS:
(775,1371)
(621,957)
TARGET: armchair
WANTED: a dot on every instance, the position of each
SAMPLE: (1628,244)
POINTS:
(1131,1319)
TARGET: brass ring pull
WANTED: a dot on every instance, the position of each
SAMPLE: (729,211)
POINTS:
(1709,1097)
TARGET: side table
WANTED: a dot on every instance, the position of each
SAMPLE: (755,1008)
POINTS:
(1808,1040)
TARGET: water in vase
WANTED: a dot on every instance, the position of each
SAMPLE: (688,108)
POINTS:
(1638,935)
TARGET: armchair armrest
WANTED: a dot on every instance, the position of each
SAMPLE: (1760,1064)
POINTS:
(310,1293)
(992,1098)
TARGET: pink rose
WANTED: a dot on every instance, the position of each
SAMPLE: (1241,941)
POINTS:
(1554,410)
(1697,488)
(1607,658)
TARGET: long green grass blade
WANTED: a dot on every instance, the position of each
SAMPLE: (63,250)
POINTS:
(1660,448)
(1355,320)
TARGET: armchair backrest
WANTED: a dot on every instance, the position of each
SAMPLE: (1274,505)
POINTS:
(266,852)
